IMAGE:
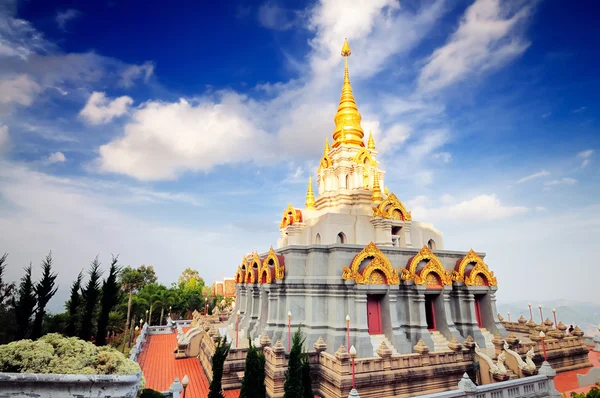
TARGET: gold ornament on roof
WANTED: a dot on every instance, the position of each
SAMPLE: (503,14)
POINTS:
(379,265)
(376,196)
(363,156)
(325,160)
(392,209)
(347,119)
(310,195)
(479,275)
(274,260)
(371,143)
(290,216)
(434,265)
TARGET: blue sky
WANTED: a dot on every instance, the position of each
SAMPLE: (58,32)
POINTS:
(176,136)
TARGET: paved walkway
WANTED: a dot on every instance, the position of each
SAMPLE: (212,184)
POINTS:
(160,368)
(567,381)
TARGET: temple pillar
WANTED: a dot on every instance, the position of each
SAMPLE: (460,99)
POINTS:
(417,325)
(398,339)
(406,230)
(465,318)
(360,333)
(451,330)
(383,231)
(499,327)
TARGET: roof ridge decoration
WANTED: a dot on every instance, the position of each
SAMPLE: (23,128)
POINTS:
(480,269)
(290,216)
(279,268)
(378,271)
(434,265)
(252,272)
(392,208)
(362,156)
(240,275)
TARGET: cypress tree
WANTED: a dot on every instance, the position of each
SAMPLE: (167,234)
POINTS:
(293,386)
(110,298)
(73,306)
(90,296)
(306,379)
(6,308)
(25,305)
(218,359)
(253,383)
(45,289)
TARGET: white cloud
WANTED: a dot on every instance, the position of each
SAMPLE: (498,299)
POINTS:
(133,72)
(100,110)
(540,208)
(62,17)
(539,174)
(3,138)
(580,109)
(56,157)
(562,181)
(585,156)
(479,208)
(18,89)
(488,36)
(272,16)
(164,139)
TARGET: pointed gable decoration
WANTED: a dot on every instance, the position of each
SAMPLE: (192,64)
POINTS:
(379,271)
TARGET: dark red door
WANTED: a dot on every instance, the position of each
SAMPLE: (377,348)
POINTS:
(430,312)
(478,313)
(374,315)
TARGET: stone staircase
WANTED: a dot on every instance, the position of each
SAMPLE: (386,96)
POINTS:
(376,340)
(439,341)
(488,338)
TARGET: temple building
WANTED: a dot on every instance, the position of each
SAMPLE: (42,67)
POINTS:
(225,288)
(354,252)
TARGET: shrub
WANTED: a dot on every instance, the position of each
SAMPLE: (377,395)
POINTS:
(253,384)
(149,393)
(56,354)
(218,359)
(297,377)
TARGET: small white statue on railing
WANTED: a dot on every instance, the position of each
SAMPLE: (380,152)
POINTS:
(529,359)
(494,369)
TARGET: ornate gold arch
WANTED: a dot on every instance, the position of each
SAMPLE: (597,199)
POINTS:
(434,265)
(325,163)
(265,269)
(239,275)
(279,268)
(290,216)
(480,268)
(379,265)
(250,276)
(393,209)
(363,154)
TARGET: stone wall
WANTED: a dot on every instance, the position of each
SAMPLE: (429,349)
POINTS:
(26,385)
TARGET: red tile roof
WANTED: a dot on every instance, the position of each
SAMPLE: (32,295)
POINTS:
(160,368)
(567,381)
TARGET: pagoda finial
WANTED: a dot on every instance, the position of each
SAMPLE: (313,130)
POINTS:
(347,119)
(371,143)
(377,197)
(326,150)
(310,195)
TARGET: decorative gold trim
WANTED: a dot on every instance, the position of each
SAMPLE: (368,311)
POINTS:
(392,208)
(379,263)
(480,268)
(363,155)
(239,275)
(433,265)
(279,268)
(290,216)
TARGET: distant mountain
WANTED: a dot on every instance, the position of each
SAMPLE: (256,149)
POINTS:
(584,315)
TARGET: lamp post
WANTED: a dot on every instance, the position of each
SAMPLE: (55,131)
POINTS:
(554,312)
(543,336)
(530,313)
(206,309)
(184,382)
(509,316)
(146,315)
(353,355)
(289,330)
(541,315)
(237,328)
(348,330)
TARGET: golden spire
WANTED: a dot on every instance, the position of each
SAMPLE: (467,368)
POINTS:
(371,143)
(377,198)
(347,119)
(310,195)
(326,150)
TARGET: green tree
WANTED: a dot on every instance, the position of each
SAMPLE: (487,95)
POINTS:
(25,304)
(45,289)
(90,296)
(110,299)
(131,280)
(593,393)
(306,379)
(148,274)
(190,276)
(218,359)
(294,386)
(165,298)
(55,323)
(253,383)
(73,307)
(7,311)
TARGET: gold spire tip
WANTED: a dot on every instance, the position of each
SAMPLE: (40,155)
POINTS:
(310,196)
(346,49)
